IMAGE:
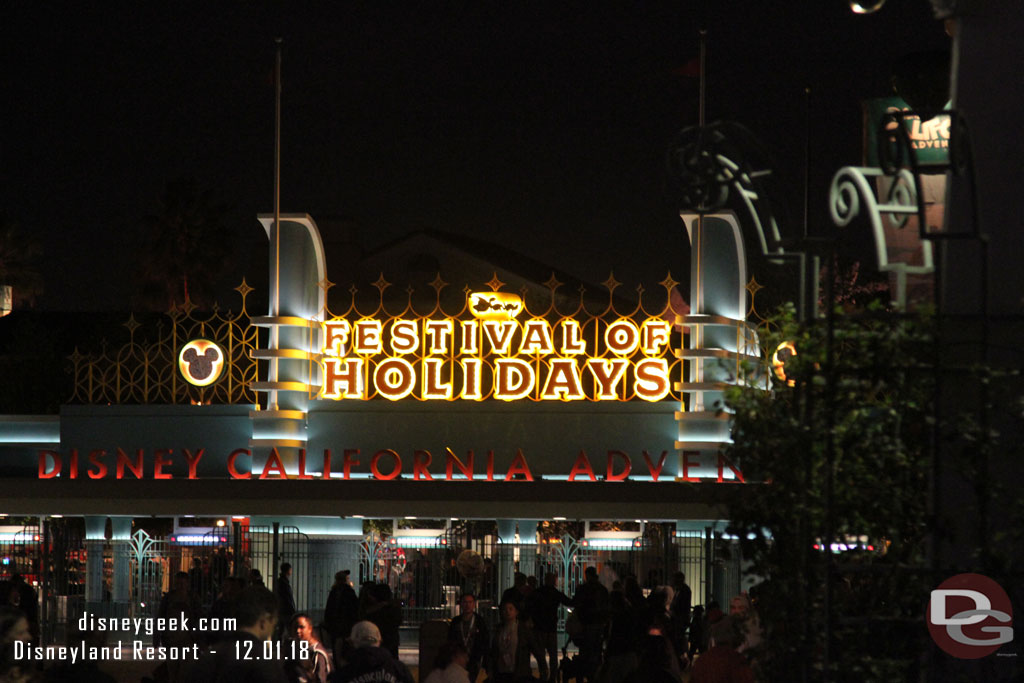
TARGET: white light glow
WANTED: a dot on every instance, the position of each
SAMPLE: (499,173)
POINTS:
(196,539)
(610,543)
(418,541)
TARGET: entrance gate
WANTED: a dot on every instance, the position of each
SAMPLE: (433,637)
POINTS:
(149,561)
(426,580)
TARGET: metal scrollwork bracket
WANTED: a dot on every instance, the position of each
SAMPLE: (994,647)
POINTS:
(852,195)
(709,168)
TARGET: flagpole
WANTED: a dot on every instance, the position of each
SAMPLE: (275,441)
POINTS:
(697,298)
(276,310)
(277,179)
(703,77)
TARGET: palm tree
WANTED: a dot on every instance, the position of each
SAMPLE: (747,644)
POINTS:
(184,248)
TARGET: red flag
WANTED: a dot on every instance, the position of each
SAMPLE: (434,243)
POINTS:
(689,70)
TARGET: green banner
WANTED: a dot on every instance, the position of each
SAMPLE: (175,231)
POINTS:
(930,139)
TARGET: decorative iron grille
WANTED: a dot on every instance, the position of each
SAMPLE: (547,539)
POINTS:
(145,369)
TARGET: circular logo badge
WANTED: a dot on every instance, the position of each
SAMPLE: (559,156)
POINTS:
(201,362)
(970,616)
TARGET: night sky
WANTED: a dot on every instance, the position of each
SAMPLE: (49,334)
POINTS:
(540,126)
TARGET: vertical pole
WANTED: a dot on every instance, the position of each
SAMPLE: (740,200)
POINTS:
(275,554)
(276,236)
(277,177)
(45,627)
(807,157)
(807,305)
(709,565)
(668,540)
(805,402)
(702,102)
(830,418)
(236,547)
(697,240)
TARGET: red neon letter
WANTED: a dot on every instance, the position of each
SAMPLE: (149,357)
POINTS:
(43,461)
(235,474)
(723,462)
(193,461)
(302,465)
(687,465)
(124,461)
(159,462)
(348,462)
(655,473)
(376,458)
(327,464)
(419,465)
(582,466)
(273,464)
(519,466)
(451,460)
(610,475)
(96,458)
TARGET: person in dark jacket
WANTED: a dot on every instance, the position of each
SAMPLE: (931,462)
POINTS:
(284,594)
(620,653)
(511,647)
(178,605)
(225,605)
(591,603)
(342,610)
(542,606)
(698,634)
(238,657)
(383,610)
(24,597)
(657,661)
(369,662)
(517,591)
(470,630)
(680,612)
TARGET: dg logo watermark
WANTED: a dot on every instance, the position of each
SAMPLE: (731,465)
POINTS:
(970,616)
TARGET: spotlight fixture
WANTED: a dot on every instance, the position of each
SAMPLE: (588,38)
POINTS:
(866,7)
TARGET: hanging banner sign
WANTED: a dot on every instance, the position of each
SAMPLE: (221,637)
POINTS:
(497,353)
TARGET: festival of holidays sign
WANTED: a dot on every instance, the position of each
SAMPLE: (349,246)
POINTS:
(497,353)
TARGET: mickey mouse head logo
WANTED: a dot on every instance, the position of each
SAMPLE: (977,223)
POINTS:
(201,362)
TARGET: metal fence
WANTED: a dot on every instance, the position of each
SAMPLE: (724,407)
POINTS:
(426,579)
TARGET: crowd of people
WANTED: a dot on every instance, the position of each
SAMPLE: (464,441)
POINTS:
(622,635)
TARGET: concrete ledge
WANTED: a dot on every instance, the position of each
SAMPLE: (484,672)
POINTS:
(541,499)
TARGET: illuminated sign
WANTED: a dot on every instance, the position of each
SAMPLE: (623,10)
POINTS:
(930,139)
(495,305)
(386,464)
(497,354)
(201,362)
(783,352)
